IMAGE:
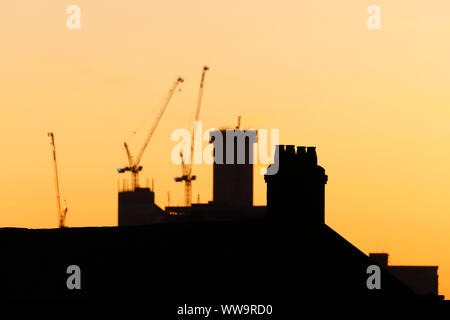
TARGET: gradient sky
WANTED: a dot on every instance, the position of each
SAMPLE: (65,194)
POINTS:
(374,102)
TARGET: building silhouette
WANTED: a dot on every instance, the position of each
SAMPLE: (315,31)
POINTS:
(212,252)
(423,280)
(298,186)
(232,188)
(233,167)
(137,207)
(232,182)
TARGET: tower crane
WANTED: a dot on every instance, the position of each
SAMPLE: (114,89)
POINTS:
(187,176)
(62,213)
(134,166)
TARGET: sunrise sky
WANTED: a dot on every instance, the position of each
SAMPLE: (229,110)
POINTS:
(375,103)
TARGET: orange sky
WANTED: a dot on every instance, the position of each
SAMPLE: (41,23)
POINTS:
(374,102)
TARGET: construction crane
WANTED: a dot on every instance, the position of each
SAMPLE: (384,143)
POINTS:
(187,176)
(62,213)
(134,166)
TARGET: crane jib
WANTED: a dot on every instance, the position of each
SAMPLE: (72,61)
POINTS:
(134,166)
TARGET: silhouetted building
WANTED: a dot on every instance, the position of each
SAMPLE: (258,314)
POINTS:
(423,280)
(296,192)
(233,167)
(232,182)
(214,212)
(380,259)
(322,262)
(137,207)
(291,255)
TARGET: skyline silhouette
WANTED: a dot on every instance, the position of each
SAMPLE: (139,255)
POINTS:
(288,253)
(373,101)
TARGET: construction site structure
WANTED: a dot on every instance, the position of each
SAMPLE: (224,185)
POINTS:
(187,176)
(61,212)
(134,166)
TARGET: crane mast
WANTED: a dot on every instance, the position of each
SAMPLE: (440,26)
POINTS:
(61,213)
(134,166)
(187,176)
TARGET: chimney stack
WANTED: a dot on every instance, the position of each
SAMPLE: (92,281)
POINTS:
(296,192)
(380,259)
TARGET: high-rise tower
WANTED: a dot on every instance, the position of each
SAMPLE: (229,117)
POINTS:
(233,167)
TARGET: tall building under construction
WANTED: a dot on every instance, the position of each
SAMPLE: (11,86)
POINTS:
(217,251)
(233,167)
(232,188)
(232,181)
